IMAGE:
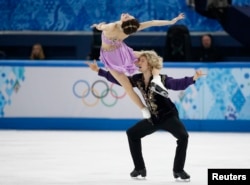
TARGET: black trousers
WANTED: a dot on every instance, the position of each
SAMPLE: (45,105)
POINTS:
(144,127)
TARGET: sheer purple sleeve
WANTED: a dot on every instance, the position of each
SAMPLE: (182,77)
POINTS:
(178,84)
(108,76)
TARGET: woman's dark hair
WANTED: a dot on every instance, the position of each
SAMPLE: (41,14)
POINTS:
(130,26)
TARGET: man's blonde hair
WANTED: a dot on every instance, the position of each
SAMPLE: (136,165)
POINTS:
(154,60)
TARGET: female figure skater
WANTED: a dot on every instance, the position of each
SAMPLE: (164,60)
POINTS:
(120,59)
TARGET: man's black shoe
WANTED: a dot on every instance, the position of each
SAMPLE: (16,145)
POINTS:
(136,173)
(183,175)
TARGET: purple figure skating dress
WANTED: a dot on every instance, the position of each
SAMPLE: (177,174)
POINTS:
(120,57)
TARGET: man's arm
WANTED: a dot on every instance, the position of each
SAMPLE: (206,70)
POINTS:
(108,76)
(103,73)
(182,83)
(178,84)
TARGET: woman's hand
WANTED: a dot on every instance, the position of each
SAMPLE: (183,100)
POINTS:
(98,26)
(198,74)
(93,66)
(180,16)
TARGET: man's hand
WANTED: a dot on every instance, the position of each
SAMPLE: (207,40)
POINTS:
(93,66)
(198,74)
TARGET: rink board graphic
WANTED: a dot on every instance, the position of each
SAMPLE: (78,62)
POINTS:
(68,95)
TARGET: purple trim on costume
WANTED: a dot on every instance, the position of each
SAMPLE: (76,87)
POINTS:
(178,84)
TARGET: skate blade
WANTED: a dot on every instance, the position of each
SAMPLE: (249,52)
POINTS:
(182,180)
(155,88)
(139,178)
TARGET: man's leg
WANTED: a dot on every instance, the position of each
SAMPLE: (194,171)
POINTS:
(177,129)
(135,133)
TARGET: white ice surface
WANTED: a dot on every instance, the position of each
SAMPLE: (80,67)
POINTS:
(103,158)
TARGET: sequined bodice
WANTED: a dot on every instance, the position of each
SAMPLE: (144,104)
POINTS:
(108,41)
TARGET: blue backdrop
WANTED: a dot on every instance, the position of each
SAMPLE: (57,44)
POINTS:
(72,15)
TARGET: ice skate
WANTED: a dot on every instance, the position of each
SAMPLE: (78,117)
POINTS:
(181,176)
(136,173)
(159,90)
(158,87)
(145,113)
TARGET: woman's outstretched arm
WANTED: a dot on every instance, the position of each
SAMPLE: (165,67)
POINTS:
(152,23)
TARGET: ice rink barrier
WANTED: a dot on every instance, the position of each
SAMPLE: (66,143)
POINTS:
(67,95)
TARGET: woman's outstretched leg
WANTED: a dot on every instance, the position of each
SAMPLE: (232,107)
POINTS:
(125,83)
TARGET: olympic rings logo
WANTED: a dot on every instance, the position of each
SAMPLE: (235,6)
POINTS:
(98,91)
